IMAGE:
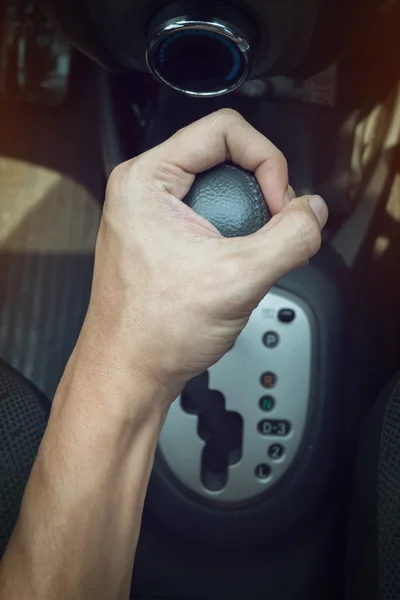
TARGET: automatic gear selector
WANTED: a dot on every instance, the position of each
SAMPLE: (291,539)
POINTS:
(248,445)
(242,424)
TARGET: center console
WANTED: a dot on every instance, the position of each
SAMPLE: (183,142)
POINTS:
(249,456)
(247,473)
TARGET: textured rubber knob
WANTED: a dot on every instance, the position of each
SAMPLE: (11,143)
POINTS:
(231,199)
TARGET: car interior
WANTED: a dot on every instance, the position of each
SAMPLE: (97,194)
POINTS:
(265,479)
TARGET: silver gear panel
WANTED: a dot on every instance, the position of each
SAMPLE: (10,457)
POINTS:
(271,359)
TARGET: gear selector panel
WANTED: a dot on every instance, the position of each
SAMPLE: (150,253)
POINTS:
(237,429)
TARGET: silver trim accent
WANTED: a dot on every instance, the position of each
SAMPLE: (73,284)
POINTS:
(237,376)
(214,25)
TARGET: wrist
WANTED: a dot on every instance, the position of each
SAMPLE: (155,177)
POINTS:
(103,359)
(113,345)
(101,400)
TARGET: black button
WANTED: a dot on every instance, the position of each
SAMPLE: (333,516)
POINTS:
(266,403)
(276,427)
(276,451)
(262,471)
(271,339)
(286,315)
(268,380)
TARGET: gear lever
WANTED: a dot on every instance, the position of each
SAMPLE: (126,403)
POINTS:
(248,446)
(242,422)
(231,199)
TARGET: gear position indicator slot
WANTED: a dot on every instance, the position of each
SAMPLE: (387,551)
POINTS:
(217,439)
(221,431)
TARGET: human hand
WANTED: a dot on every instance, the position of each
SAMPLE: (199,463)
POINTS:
(170,294)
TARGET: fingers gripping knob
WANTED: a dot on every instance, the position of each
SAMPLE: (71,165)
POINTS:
(231,199)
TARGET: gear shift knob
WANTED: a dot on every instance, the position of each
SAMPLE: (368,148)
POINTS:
(231,199)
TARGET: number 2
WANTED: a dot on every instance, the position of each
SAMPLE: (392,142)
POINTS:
(275,452)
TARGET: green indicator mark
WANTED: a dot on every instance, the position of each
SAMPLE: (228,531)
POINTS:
(267,403)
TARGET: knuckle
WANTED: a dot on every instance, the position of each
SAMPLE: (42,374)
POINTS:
(281,158)
(118,187)
(177,134)
(277,159)
(115,176)
(119,173)
(228,114)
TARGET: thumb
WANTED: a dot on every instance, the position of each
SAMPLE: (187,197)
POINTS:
(288,240)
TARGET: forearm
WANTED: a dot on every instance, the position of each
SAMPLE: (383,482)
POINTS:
(80,518)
